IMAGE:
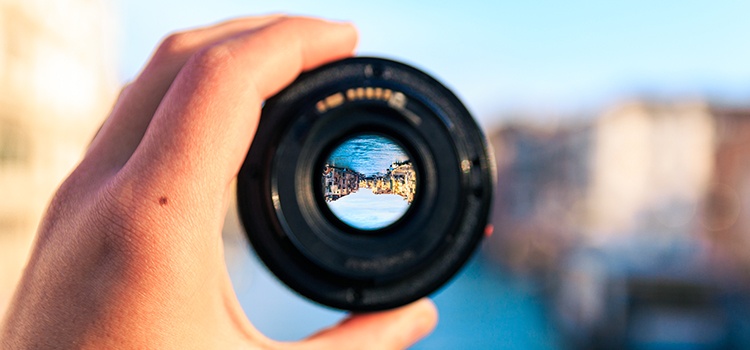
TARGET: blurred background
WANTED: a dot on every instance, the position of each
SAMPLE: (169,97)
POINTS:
(621,131)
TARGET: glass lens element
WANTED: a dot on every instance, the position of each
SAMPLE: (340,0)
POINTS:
(369,182)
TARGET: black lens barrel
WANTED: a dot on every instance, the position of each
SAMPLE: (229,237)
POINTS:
(289,224)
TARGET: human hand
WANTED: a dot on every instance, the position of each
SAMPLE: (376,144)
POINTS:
(130,253)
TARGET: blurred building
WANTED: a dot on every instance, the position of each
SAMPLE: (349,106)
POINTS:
(56,84)
(637,167)
(543,173)
(635,222)
(650,165)
(726,215)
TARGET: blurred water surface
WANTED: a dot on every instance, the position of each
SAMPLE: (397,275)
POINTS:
(481,309)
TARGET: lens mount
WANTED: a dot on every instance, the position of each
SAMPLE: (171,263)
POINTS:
(298,237)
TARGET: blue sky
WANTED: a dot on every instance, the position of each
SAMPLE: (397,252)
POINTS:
(500,56)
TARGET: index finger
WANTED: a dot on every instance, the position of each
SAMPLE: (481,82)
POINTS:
(203,128)
(122,132)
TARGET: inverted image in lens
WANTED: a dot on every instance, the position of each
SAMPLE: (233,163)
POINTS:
(369,182)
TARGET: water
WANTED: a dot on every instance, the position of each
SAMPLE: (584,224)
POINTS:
(481,309)
(367,154)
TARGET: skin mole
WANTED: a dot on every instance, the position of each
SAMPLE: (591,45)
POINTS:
(163,200)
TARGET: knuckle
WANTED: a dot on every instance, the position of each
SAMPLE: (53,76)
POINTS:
(176,42)
(289,28)
(214,56)
(173,45)
(211,62)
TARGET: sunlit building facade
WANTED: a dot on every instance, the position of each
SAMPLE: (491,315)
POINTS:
(339,182)
(651,164)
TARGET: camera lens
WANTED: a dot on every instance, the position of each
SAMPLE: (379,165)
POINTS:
(369,182)
(367,186)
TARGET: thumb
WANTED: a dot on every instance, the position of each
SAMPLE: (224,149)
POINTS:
(392,329)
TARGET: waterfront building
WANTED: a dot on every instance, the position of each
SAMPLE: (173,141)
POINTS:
(637,167)
(403,180)
(339,182)
(400,178)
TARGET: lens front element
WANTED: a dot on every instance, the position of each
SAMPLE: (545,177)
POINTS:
(369,182)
